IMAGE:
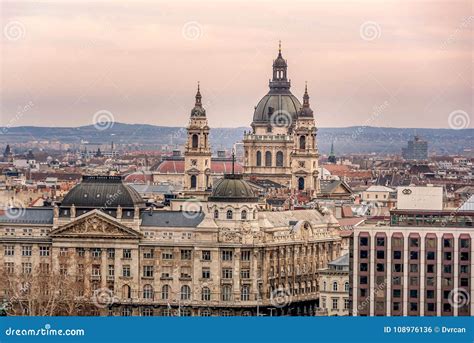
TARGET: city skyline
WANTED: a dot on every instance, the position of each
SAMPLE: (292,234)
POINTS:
(141,62)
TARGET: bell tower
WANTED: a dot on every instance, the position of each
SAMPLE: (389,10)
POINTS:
(304,157)
(197,154)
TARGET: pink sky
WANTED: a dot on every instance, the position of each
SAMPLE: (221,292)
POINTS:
(379,63)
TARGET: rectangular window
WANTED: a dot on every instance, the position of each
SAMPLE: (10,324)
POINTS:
(464,243)
(127,254)
(245,274)
(430,255)
(364,267)
(111,253)
(9,250)
(380,254)
(413,255)
(364,241)
(448,256)
(206,273)
(9,267)
(149,253)
(44,251)
(96,252)
(380,267)
(26,267)
(26,250)
(363,254)
(380,241)
(126,271)
(206,255)
(413,242)
(185,254)
(63,251)
(413,268)
(185,273)
(245,255)
(227,273)
(167,255)
(430,268)
(80,252)
(226,255)
(147,271)
(166,272)
(111,271)
(397,254)
(335,303)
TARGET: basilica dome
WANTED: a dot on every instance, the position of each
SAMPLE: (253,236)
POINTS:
(232,188)
(279,107)
(276,102)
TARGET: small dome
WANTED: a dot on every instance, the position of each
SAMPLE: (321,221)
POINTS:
(102,192)
(232,188)
(198,111)
(281,102)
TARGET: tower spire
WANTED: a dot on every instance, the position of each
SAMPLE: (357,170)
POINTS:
(233,162)
(279,47)
(306,96)
(198,96)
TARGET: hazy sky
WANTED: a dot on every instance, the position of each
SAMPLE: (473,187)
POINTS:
(379,63)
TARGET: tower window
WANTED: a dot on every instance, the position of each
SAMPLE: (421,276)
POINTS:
(302,142)
(301,183)
(195,141)
(259,158)
(279,159)
(268,159)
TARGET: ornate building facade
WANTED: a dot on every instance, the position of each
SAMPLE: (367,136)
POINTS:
(282,144)
(107,254)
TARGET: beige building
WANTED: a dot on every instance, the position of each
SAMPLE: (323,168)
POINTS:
(334,288)
(102,252)
(282,144)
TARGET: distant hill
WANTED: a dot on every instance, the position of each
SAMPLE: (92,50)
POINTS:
(356,139)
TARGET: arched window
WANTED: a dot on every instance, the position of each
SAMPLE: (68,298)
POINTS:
(268,159)
(148,292)
(254,214)
(243,215)
(165,292)
(126,292)
(301,183)
(259,158)
(195,141)
(216,214)
(226,293)
(185,292)
(193,181)
(346,287)
(324,285)
(334,286)
(302,142)
(245,293)
(279,159)
(229,214)
(206,294)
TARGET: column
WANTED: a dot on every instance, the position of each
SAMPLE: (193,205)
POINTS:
(406,266)
(456,270)
(422,274)
(372,273)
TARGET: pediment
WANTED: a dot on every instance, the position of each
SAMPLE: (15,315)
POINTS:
(95,224)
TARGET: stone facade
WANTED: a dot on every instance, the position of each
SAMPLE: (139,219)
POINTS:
(223,258)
